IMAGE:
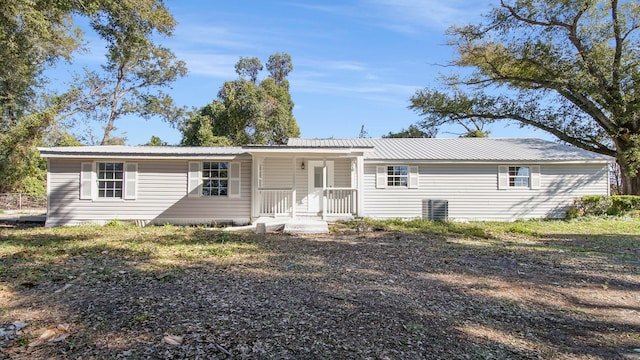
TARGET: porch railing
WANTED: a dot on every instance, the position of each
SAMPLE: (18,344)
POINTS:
(341,201)
(276,202)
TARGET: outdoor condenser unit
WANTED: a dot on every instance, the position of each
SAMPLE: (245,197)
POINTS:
(435,209)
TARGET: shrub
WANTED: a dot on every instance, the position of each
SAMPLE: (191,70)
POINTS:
(598,205)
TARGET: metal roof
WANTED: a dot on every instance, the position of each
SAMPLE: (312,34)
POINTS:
(422,149)
(140,151)
(460,149)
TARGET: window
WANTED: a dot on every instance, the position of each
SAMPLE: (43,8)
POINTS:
(110,179)
(519,176)
(397,175)
(215,178)
(209,179)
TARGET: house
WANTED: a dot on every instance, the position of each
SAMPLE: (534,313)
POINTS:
(457,179)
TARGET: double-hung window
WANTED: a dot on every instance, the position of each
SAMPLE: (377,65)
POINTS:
(397,175)
(519,176)
(110,179)
(215,178)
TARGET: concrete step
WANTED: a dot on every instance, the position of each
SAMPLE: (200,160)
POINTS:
(306,227)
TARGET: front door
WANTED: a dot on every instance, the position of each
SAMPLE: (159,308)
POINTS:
(316,184)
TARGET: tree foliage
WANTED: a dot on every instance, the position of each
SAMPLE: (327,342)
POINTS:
(249,68)
(247,112)
(413,131)
(156,141)
(136,69)
(35,35)
(568,67)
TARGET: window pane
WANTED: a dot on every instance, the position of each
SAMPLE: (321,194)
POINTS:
(110,179)
(214,178)
(317,177)
(397,175)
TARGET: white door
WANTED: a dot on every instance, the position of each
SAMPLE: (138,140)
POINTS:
(314,197)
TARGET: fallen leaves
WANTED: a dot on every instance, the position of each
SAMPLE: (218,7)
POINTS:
(371,295)
(50,334)
(173,340)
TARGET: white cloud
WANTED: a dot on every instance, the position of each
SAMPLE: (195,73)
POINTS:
(407,15)
(374,91)
(212,65)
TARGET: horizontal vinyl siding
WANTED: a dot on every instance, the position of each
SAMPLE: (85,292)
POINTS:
(277,173)
(161,197)
(342,173)
(473,193)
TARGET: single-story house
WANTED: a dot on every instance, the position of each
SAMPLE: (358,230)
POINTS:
(461,179)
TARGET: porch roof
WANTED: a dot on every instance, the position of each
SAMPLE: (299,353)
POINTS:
(292,149)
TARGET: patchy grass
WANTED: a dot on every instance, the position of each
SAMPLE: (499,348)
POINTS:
(371,289)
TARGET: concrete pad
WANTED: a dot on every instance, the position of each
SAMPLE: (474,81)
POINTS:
(289,226)
(306,227)
(33,218)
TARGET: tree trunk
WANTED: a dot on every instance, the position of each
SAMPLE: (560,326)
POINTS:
(630,183)
(113,114)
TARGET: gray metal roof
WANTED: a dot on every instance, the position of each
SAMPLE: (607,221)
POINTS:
(460,149)
(432,149)
(141,151)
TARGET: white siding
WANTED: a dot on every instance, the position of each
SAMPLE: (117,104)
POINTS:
(277,173)
(342,173)
(472,192)
(161,197)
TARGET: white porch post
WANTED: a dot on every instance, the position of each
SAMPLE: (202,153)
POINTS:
(293,193)
(255,184)
(324,189)
(360,184)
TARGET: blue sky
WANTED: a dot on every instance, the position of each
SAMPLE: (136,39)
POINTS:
(354,62)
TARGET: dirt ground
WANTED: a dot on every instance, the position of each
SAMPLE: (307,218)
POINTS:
(349,295)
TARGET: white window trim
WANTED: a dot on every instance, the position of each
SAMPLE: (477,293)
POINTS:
(534,177)
(194,179)
(89,181)
(382,177)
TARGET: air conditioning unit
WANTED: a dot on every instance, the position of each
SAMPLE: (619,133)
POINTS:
(435,209)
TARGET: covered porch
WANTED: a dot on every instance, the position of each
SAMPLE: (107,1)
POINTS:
(316,184)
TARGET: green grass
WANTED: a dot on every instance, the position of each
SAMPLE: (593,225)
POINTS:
(611,237)
(535,228)
(27,256)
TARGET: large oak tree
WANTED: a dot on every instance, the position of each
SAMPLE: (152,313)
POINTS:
(568,67)
(247,111)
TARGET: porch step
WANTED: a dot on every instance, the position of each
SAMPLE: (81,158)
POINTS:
(306,227)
